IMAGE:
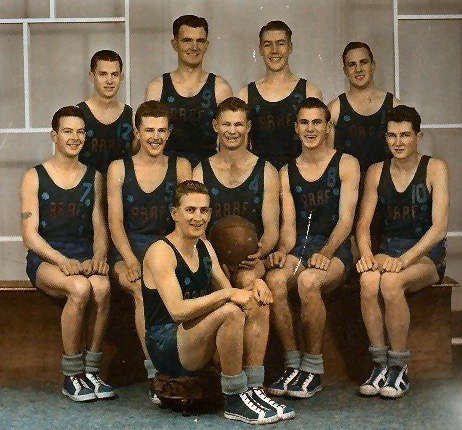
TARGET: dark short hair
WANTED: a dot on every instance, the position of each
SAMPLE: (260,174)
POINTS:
(403,113)
(356,45)
(191,21)
(105,55)
(188,187)
(151,108)
(233,104)
(314,103)
(276,26)
(66,111)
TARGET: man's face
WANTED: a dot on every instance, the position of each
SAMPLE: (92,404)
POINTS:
(192,215)
(106,78)
(312,127)
(70,137)
(275,49)
(153,134)
(191,44)
(358,68)
(401,138)
(232,129)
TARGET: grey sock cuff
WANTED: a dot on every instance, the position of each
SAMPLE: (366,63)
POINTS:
(255,375)
(92,361)
(150,369)
(398,358)
(292,359)
(379,354)
(234,384)
(72,364)
(312,363)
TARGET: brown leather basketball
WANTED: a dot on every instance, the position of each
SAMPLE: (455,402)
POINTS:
(233,238)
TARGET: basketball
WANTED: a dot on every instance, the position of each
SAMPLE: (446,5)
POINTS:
(233,238)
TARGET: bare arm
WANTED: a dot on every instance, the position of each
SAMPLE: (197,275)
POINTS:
(313,91)
(244,94)
(197,173)
(183,170)
(154,89)
(222,90)
(334,108)
(219,279)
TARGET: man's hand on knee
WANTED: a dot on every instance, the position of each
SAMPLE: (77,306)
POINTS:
(319,261)
(276,259)
(251,261)
(241,298)
(392,265)
(262,293)
(70,266)
(366,263)
(133,272)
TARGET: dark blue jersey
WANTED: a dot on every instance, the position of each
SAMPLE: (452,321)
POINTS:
(66,215)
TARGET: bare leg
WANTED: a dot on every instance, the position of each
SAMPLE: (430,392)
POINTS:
(256,330)
(370,307)
(101,290)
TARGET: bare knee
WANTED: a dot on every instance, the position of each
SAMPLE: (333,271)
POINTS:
(101,288)
(256,310)
(369,282)
(277,282)
(233,314)
(308,283)
(391,287)
(79,290)
(245,278)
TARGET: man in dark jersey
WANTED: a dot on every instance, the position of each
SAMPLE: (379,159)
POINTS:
(192,311)
(64,230)
(108,122)
(191,93)
(411,190)
(319,195)
(140,193)
(273,100)
(242,184)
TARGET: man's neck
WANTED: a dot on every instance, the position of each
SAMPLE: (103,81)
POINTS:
(234,157)
(189,73)
(102,102)
(407,164)
(185,245)
(315,155)
(369,90)
(144,158)
(275,77)
(61,162)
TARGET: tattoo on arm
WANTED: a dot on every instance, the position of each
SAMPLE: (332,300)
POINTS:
(25,215)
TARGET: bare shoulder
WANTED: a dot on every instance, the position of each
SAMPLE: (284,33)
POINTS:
(313,91)
(271,175)
(183,167)
(396,102)
(30,176)
(160,254)
(373,172)
(116,169)
(334,107)
(437,166)
(243,94)
(222,89)
(154,89)
(348,161)
(197,174)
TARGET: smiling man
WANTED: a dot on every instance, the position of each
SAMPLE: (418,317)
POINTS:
(411,190)
(191,93)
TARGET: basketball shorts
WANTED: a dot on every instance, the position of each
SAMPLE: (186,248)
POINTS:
(139,244)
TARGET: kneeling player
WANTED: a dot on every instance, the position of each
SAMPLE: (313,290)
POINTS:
(411,190)
(191,311)
(319,195)
(63,228)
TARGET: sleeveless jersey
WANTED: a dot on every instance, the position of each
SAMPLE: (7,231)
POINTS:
(363,136)
(407,215)
(192,284)
(148,213)
(191,118)
(321,197)
(105,143)
(244,200)
(66,215)
(273,134)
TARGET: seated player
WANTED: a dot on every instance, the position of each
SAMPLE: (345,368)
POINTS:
(191,311)
(64,230)
(140,192)
(242,184)
(319,191)
(411,190)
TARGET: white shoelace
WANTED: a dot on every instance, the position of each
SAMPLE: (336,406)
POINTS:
(250,404)
(78,383)
(261,394)
(94,379)
(284,379)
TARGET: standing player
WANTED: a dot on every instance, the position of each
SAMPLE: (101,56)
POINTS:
(412,192)
(108,122)
(242,184)
(274,99)
(140,192)
(187,321)
(191,93)
(64,230)
(319,195)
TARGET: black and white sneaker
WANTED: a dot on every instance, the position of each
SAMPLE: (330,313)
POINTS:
(242,407)
(306,385)
(76,388)
(284,412)
(279,387)
(375,382)
(101,389)
(397,383)
(152,394)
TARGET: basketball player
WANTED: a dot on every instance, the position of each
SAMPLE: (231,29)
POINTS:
(64,230)
(140,192)
(191,311)
(273,100)
(411,190)
(191,93)
(319,194)
(242,184)
(108,122)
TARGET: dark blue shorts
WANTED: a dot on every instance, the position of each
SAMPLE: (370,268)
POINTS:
(395,247)
(80,250)
(161,342)
(315,243)
(138,242)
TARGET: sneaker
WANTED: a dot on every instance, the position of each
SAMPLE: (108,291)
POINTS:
(100,388)
(76,388)
(375,382)
(279,387)
(152,394)
(397,383)
(284,412)
(242,407)
(306,385)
